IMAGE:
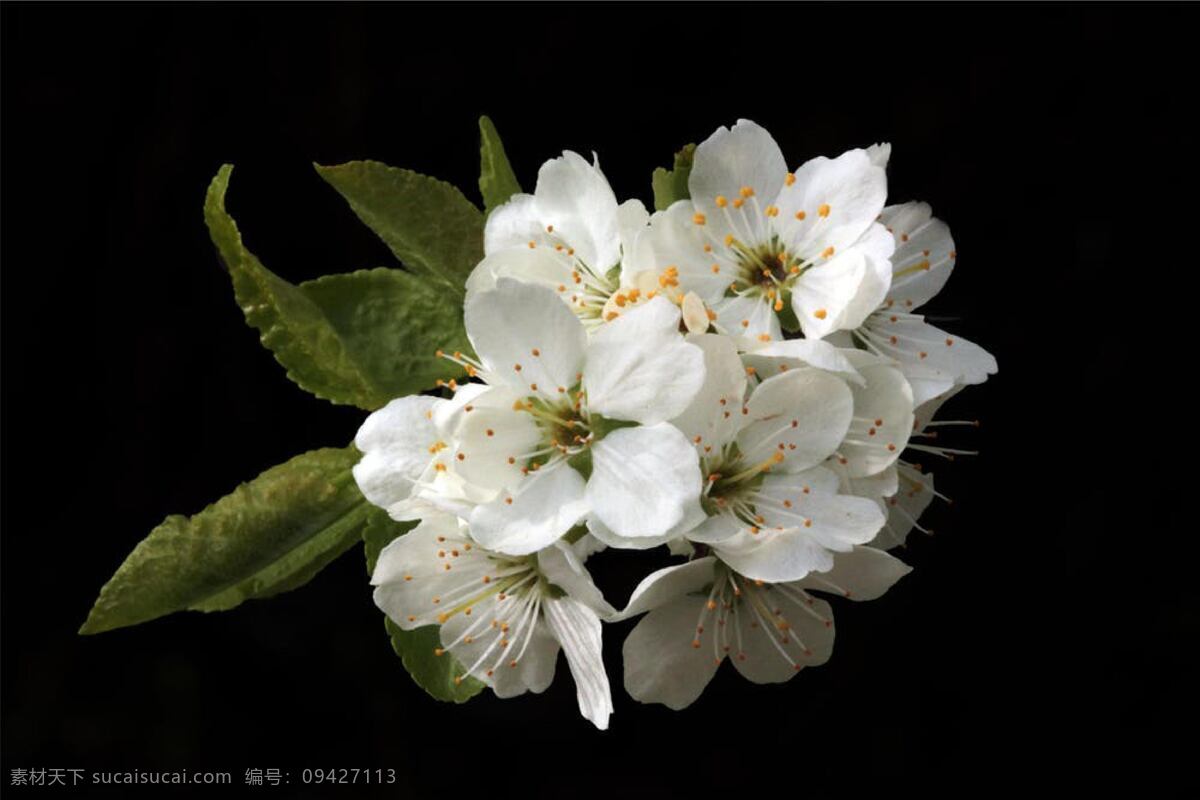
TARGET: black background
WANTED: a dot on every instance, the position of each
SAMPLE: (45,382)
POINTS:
(1042,640)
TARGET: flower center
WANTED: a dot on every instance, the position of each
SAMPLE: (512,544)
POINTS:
(565,425)
(738,607)
(732,484)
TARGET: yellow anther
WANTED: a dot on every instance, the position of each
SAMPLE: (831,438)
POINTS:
(823,209)
(610,316)
(721,201)
(729,240)
(820,313)
(716,268)
(772,211)
(800,215)
(738,202)
(532,244)
(698,218)
(827,252)
(746,191)
(790,179)
(764,337)
(779,304)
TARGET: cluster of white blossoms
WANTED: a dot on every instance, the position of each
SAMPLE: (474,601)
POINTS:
(735,378)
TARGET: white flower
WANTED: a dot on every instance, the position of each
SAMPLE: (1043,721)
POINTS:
(567,236)
(911,488)
(756,240)
(503,618)
(703,611)
(571,425)
(404,468)
(772,512)
(932,359)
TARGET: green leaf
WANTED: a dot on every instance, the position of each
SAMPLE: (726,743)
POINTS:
(416,648)
(359,339)
(428,224)
(268,536)
(391,323)
(497,182)
(671,185)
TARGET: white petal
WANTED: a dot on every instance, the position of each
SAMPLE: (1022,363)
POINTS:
(804,522)
(559,564)
(910,340)
(494,442)
(747,319)
(779,356)
(661,587)
(535,669)
(587,546)
(713,417)
(574,197)
(717,529)
(807,641)
(479,647)
(880,154)
(513,224)
(883,417)
(730,159)
(693,516)
(926,381)
(873,487)
(448,414)
(490,434)
(546,504)
(864,573)
(644,480)
(925,411)
(542,266)
(638,370)
(681,547)
(577,629)
(782,556)
(905,506)
(924,256)
(395,441)
(508,324)
(821,295)
(802,414)
(876,247)
(632,219)
(661,666)
(411,577)
(605,535)
(840,199)
(673,239)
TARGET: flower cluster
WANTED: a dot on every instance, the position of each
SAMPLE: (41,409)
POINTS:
(735,377)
